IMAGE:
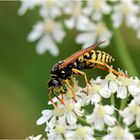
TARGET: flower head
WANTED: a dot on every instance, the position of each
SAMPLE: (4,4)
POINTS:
(96,9)
(125,10)
(93,32)
(49,34)
(118,132)
(101,115)
(131,114)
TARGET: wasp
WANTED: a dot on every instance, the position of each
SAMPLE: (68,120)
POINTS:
(87,58)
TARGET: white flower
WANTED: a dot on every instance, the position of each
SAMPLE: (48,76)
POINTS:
(50,117)
(101,115)
(94,96)
(128,84)
(123,83)
(104,90)
(119,133)
(125,10)
(113,85)
(81,132)
(96,9)
(49,32)
(27,4)
(93,32)
(137,98)
(51,8)
(60,128)
(75,11)
(131,114)
(38,137)
(72,110)
(76,120)
(134,87)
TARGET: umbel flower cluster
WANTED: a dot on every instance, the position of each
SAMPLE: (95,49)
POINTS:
(93,20)
(110,111)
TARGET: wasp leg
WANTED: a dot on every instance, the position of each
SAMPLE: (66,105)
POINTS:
(101,67)
(51,99)
(76,71)
(74,82)
(70,87)
(110,68)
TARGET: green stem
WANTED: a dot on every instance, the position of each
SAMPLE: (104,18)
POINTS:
(135,129)
(84,121)
(63,136)
(136,133)
(123,53)
(112,100)
(132,127)
(122,106)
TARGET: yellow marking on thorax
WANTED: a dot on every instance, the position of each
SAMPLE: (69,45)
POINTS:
(86,54)
(81,58)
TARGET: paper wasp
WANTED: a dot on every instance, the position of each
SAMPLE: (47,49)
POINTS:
(87,58)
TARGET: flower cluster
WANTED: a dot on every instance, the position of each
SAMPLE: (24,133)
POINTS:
(111,110)
(90,18)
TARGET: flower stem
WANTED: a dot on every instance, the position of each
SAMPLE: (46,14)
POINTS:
(122,106)
(113,102)
(82,120)
(132,127)
(63,136)
(123,53)
(136,133)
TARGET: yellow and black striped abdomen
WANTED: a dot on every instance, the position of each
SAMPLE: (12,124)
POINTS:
(96,55)
(101,56)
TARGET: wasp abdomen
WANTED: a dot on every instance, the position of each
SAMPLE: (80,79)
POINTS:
(96,55)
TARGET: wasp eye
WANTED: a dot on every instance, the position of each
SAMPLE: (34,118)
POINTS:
(54,83)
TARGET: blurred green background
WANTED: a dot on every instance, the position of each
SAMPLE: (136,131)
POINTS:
(24,74)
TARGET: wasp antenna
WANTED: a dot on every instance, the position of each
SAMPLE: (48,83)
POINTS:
(61,100)
(101,42)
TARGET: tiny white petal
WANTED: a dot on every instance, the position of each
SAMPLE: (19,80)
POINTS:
(38,137)
(46,43)
(105,92)
(109,120)
(70,23)
(128,119)
(71,118)
(109,109)
(113,86)
(47,114)
(99,124)
(37,32)
(122,92)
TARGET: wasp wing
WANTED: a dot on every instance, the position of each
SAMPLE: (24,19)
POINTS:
(76,55)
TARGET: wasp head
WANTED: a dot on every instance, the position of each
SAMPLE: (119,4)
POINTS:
(54,83)
(55,86)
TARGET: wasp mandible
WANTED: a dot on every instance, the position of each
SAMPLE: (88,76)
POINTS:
(87,58)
